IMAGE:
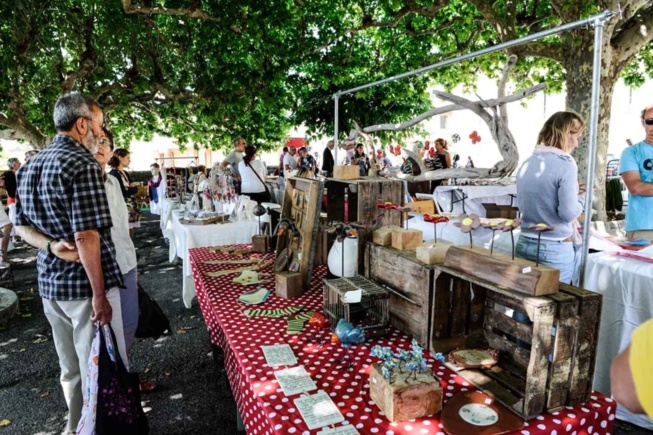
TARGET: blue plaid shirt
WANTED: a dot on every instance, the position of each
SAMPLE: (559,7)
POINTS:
(61,192)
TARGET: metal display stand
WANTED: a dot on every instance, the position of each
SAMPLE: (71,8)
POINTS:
(596,21)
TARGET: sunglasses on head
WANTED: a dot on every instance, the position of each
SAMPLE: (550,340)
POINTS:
(648,121)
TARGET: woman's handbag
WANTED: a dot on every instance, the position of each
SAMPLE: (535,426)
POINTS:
(152,321)
(112,402)
(119,408)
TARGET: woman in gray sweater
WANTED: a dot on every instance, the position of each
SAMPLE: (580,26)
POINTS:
(548,192)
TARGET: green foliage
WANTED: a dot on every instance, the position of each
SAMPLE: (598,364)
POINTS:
(261,67)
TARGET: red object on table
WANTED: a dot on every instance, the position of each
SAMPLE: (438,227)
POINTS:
(264,408)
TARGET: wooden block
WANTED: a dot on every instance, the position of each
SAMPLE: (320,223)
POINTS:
(346,172)
(518,274)
(405,398)
(423,206)
(261,243)
(383,236)
(406,240)
(433,253)
(288,285)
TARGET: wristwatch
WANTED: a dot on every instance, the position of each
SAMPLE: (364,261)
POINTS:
(47,246)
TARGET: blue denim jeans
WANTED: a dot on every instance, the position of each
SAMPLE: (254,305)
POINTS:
(557,254)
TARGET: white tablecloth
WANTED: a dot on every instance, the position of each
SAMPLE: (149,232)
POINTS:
(474,196)
(185,237)
(627,288)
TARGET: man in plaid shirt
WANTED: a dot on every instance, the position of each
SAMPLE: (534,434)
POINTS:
(62,209)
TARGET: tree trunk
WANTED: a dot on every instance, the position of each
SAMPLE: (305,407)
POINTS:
(579,95)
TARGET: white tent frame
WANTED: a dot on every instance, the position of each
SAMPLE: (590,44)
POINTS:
(597,21)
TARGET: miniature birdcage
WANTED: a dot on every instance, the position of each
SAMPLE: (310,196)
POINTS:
(372,313)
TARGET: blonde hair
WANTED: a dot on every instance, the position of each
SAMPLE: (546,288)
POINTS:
(555,130)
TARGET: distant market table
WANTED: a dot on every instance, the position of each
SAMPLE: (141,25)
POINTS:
(469,199)
(625,284)
(184,237)
(264,408)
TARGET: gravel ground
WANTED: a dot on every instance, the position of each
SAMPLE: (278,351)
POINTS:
(193,395)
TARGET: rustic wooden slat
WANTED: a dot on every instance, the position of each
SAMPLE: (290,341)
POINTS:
(504,271)
(509,325)
(509,351)
(441,308)
(474,340)
(477,310)
(538,368)
(566,324)
(508,379)
(460,306)
(488,385)
(587,334)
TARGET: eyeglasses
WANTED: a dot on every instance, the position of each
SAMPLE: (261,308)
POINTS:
(648,121)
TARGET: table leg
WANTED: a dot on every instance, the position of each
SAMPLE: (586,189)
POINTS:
(239,422)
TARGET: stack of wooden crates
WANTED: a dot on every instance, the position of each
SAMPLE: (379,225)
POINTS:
(543,366)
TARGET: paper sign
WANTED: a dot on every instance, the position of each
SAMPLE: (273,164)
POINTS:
(353,297)
(279,355)
(318,410)
(342,430)
(295,380)
(527,269)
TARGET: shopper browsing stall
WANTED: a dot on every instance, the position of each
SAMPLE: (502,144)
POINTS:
(636,169)
(359,158)
(548,192)
(120,161)
(252,173)
(233,159)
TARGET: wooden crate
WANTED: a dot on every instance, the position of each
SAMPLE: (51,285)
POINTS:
(411,284)
(361,208)
(362,199)
(543,366)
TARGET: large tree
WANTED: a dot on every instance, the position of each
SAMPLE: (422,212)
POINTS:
(209,70)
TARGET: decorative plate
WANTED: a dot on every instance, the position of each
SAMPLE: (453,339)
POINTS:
(282,260)
(472,412)
(474,358)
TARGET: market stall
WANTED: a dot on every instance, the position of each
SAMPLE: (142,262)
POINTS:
(264,407)
(184,236)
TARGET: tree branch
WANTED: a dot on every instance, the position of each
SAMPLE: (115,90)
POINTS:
(549,50)
(21,129)
(190,12)
(634,35)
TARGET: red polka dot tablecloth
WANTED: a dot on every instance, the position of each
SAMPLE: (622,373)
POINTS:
(264,408)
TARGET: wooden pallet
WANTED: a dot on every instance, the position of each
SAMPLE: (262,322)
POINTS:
(543,366)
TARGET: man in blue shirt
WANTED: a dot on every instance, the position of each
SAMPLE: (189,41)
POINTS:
(62,209)
(636,169)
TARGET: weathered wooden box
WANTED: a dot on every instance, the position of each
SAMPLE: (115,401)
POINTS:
(406,240)
(288,285)
(433,253)
(406,398)
(411,285)
(346,172)
(545,364)
(515,274)
(371,313)
(383,236)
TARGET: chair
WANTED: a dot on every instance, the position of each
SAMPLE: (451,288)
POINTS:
(266,218)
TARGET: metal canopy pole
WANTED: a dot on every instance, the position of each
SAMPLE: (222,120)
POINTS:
(335,130)
(592,146)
